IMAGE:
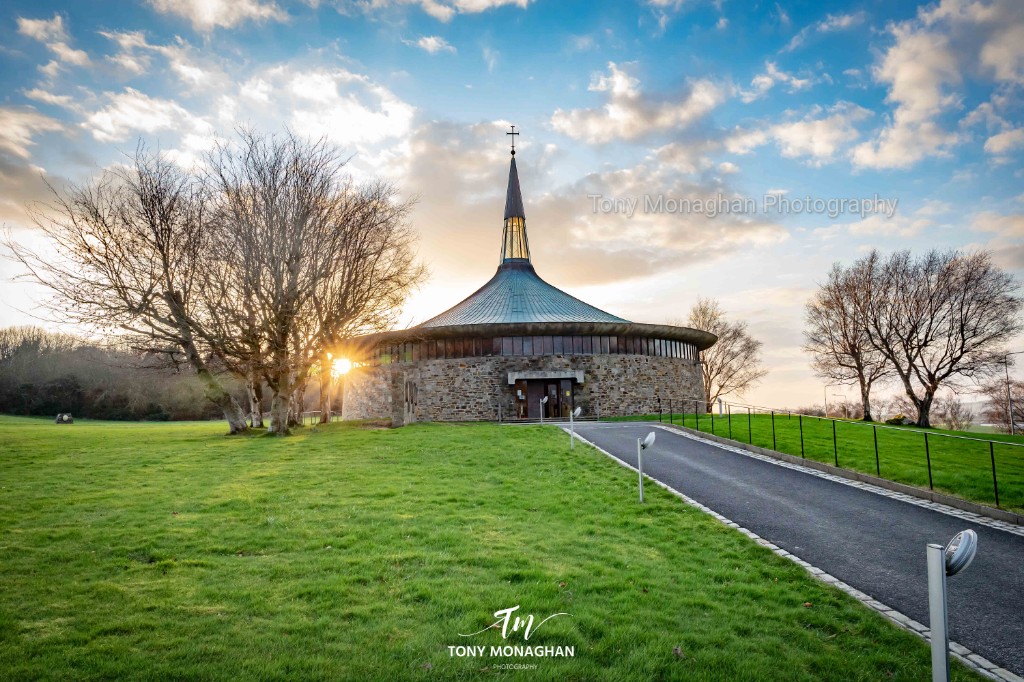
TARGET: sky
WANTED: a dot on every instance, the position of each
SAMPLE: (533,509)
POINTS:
(669,149)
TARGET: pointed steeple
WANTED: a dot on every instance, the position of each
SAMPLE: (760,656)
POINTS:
(515,248)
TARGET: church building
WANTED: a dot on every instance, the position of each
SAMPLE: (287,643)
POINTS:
(519,348)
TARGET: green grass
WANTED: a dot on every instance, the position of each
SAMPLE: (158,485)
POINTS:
(959,467)
(155,551)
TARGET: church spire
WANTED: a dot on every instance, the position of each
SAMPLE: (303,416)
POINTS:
(514,245)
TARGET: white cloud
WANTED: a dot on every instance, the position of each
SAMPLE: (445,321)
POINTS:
(206,15)
(830,24)
(442,10)
(820,137)
(18,127)
(50,98)
(925,70)
(131,111)
(347,107)
(1007,241)
(744,141)
(491,58)
(135,57)
(1006,141)
(763,82)
(630,114)
(51,32)
(432,44)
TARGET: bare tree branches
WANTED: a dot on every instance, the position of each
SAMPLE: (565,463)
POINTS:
(302,259)
(837,339)
(938,319)
(259,266)
(733,364)
(130,248)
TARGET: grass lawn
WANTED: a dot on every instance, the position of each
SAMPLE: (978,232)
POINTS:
(959,467)
(172,551)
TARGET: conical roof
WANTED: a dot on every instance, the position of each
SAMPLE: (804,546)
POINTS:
(514,197)
(516,293)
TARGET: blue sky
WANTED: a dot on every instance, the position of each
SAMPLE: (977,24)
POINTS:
(686,100)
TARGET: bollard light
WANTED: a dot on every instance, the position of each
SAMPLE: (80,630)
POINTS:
(543,401)
(572,427)
(642,445)
(943,562)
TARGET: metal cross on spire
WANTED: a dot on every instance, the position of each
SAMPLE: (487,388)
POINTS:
(513,134)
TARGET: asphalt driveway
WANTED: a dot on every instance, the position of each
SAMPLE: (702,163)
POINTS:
(871,542)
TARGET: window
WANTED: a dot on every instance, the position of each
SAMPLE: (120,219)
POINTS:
(605,344)
(613,345)
(517,345)
(558,343)
(527,345)
(506,345)
(588,345)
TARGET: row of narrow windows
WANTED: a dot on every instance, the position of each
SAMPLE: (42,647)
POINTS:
(440,349)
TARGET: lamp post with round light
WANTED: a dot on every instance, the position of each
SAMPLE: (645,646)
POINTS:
(572,427)
(1009,399)
(942,563)
(641,445)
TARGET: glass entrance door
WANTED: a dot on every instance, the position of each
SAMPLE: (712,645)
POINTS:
(551,408)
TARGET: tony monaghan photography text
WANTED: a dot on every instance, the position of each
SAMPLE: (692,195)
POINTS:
(509,650)
(720,204)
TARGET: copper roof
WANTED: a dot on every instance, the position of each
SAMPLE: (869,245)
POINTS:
(516,293)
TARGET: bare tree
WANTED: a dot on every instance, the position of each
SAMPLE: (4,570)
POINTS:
(733,364)
(130,254)
(837,339)
(952,413)
(302,260)
(998,410)
(938,319)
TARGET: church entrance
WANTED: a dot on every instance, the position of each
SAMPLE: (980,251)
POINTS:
(530,392)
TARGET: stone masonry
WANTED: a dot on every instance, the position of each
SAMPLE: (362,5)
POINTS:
(473,389)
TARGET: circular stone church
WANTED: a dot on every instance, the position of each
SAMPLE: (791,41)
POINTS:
(514,342)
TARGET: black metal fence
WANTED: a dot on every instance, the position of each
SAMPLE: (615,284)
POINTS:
(990,471)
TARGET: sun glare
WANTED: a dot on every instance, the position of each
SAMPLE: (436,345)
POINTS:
(341,366)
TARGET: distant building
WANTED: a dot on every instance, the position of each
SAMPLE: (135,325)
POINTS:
(514,341)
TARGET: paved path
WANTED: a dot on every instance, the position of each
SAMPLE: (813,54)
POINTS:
(871,542)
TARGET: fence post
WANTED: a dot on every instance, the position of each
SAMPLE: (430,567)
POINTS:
(928,456)
(712,421)
(750,430)
(696,413)
(835,444)
(800,421)
(729,408)
(773,431)
(671,416)
(992,455)
(878,468)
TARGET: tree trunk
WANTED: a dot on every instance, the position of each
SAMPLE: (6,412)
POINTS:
(924,408)
(254,388)
(216,394)
(279,413)
(213,390)
(325,389)
(298,404)
(865,399)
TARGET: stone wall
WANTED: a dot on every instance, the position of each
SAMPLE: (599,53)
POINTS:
(472,389)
